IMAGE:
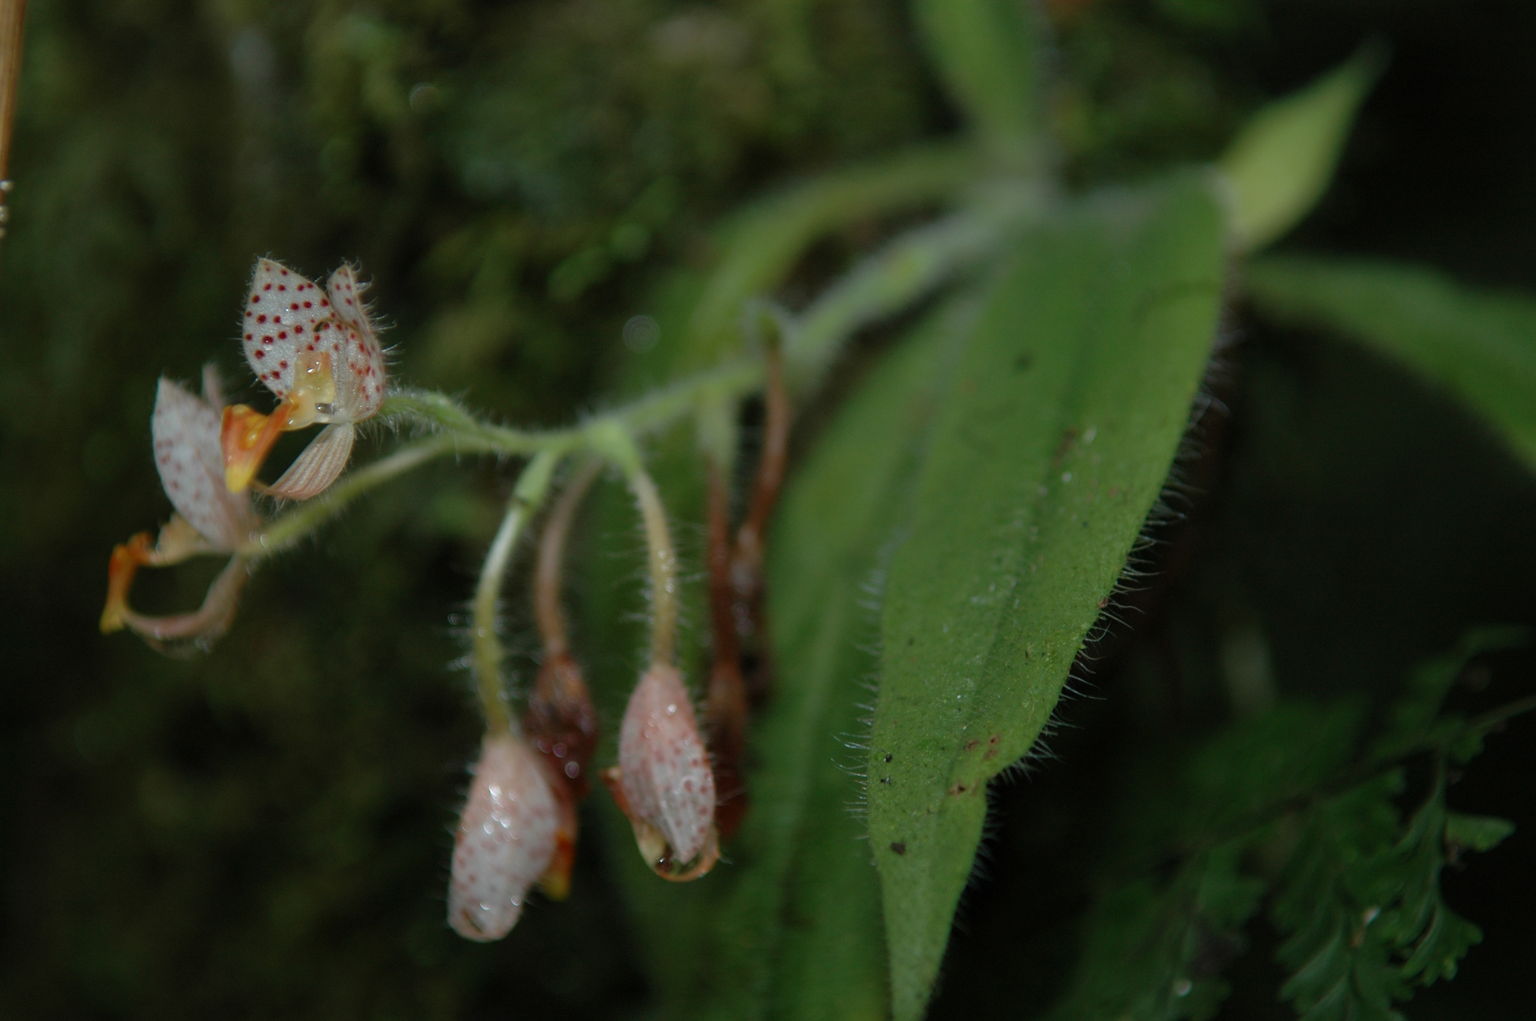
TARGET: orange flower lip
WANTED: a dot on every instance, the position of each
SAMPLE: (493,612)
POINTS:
(246,437)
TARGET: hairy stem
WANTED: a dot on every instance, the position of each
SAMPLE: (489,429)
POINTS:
(486,652)
(903,272)
(546,585)
(617,445)
(282,532)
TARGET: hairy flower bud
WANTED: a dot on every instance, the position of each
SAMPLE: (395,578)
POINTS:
(505,841)
(663,781)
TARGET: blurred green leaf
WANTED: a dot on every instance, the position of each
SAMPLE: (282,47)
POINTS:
(988,52)
(1048,451)
(1282,162)
(1479,346)
(1476,832)
(1153,950)
(1414,719)
(760,244)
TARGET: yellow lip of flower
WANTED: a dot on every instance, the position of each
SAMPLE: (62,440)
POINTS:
(127,558)
(246,437)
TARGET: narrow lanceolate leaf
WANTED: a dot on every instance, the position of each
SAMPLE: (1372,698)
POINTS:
(1479,346)
(788,925)
(988,52)
(1048,452)
(1282,162)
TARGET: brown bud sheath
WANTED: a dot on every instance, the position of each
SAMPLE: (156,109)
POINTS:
(746,572)
(725,709)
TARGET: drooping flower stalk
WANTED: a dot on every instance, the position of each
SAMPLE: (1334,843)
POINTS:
(725,705)
(510,829)
(486,648)
(746,570)
(560,720)
(663,781)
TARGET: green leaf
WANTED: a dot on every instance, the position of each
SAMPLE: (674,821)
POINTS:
(1476,832)
(789,925)
(1414,720)
(1048,451)
(988,54)
(1152,950)
(1282,161)
(1339,957)
(1361,907)
(1479,346)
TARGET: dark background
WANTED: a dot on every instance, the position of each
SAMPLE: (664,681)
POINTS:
(264,831)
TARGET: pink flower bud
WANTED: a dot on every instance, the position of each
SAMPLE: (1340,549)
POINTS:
(505,842)
(663,781)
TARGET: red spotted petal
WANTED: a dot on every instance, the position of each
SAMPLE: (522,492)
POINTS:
(358,356)
(285,316)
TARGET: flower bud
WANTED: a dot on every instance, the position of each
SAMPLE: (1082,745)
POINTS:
(505,841)
(663,781)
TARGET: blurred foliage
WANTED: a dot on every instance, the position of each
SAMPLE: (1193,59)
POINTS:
(265,831)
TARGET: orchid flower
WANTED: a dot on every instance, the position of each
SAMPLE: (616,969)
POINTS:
(506,839)
(663,781)
(208,519)
(319,353)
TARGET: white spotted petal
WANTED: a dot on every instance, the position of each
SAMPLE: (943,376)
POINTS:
(664,778)
(505,841)
(185,429)
(287,318)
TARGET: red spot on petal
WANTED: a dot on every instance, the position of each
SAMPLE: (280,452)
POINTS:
(264,287)
(260,353)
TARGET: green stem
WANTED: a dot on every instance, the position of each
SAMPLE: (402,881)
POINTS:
(907,269)
(282,532)
(486,651)
(619,448)
(903,272)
